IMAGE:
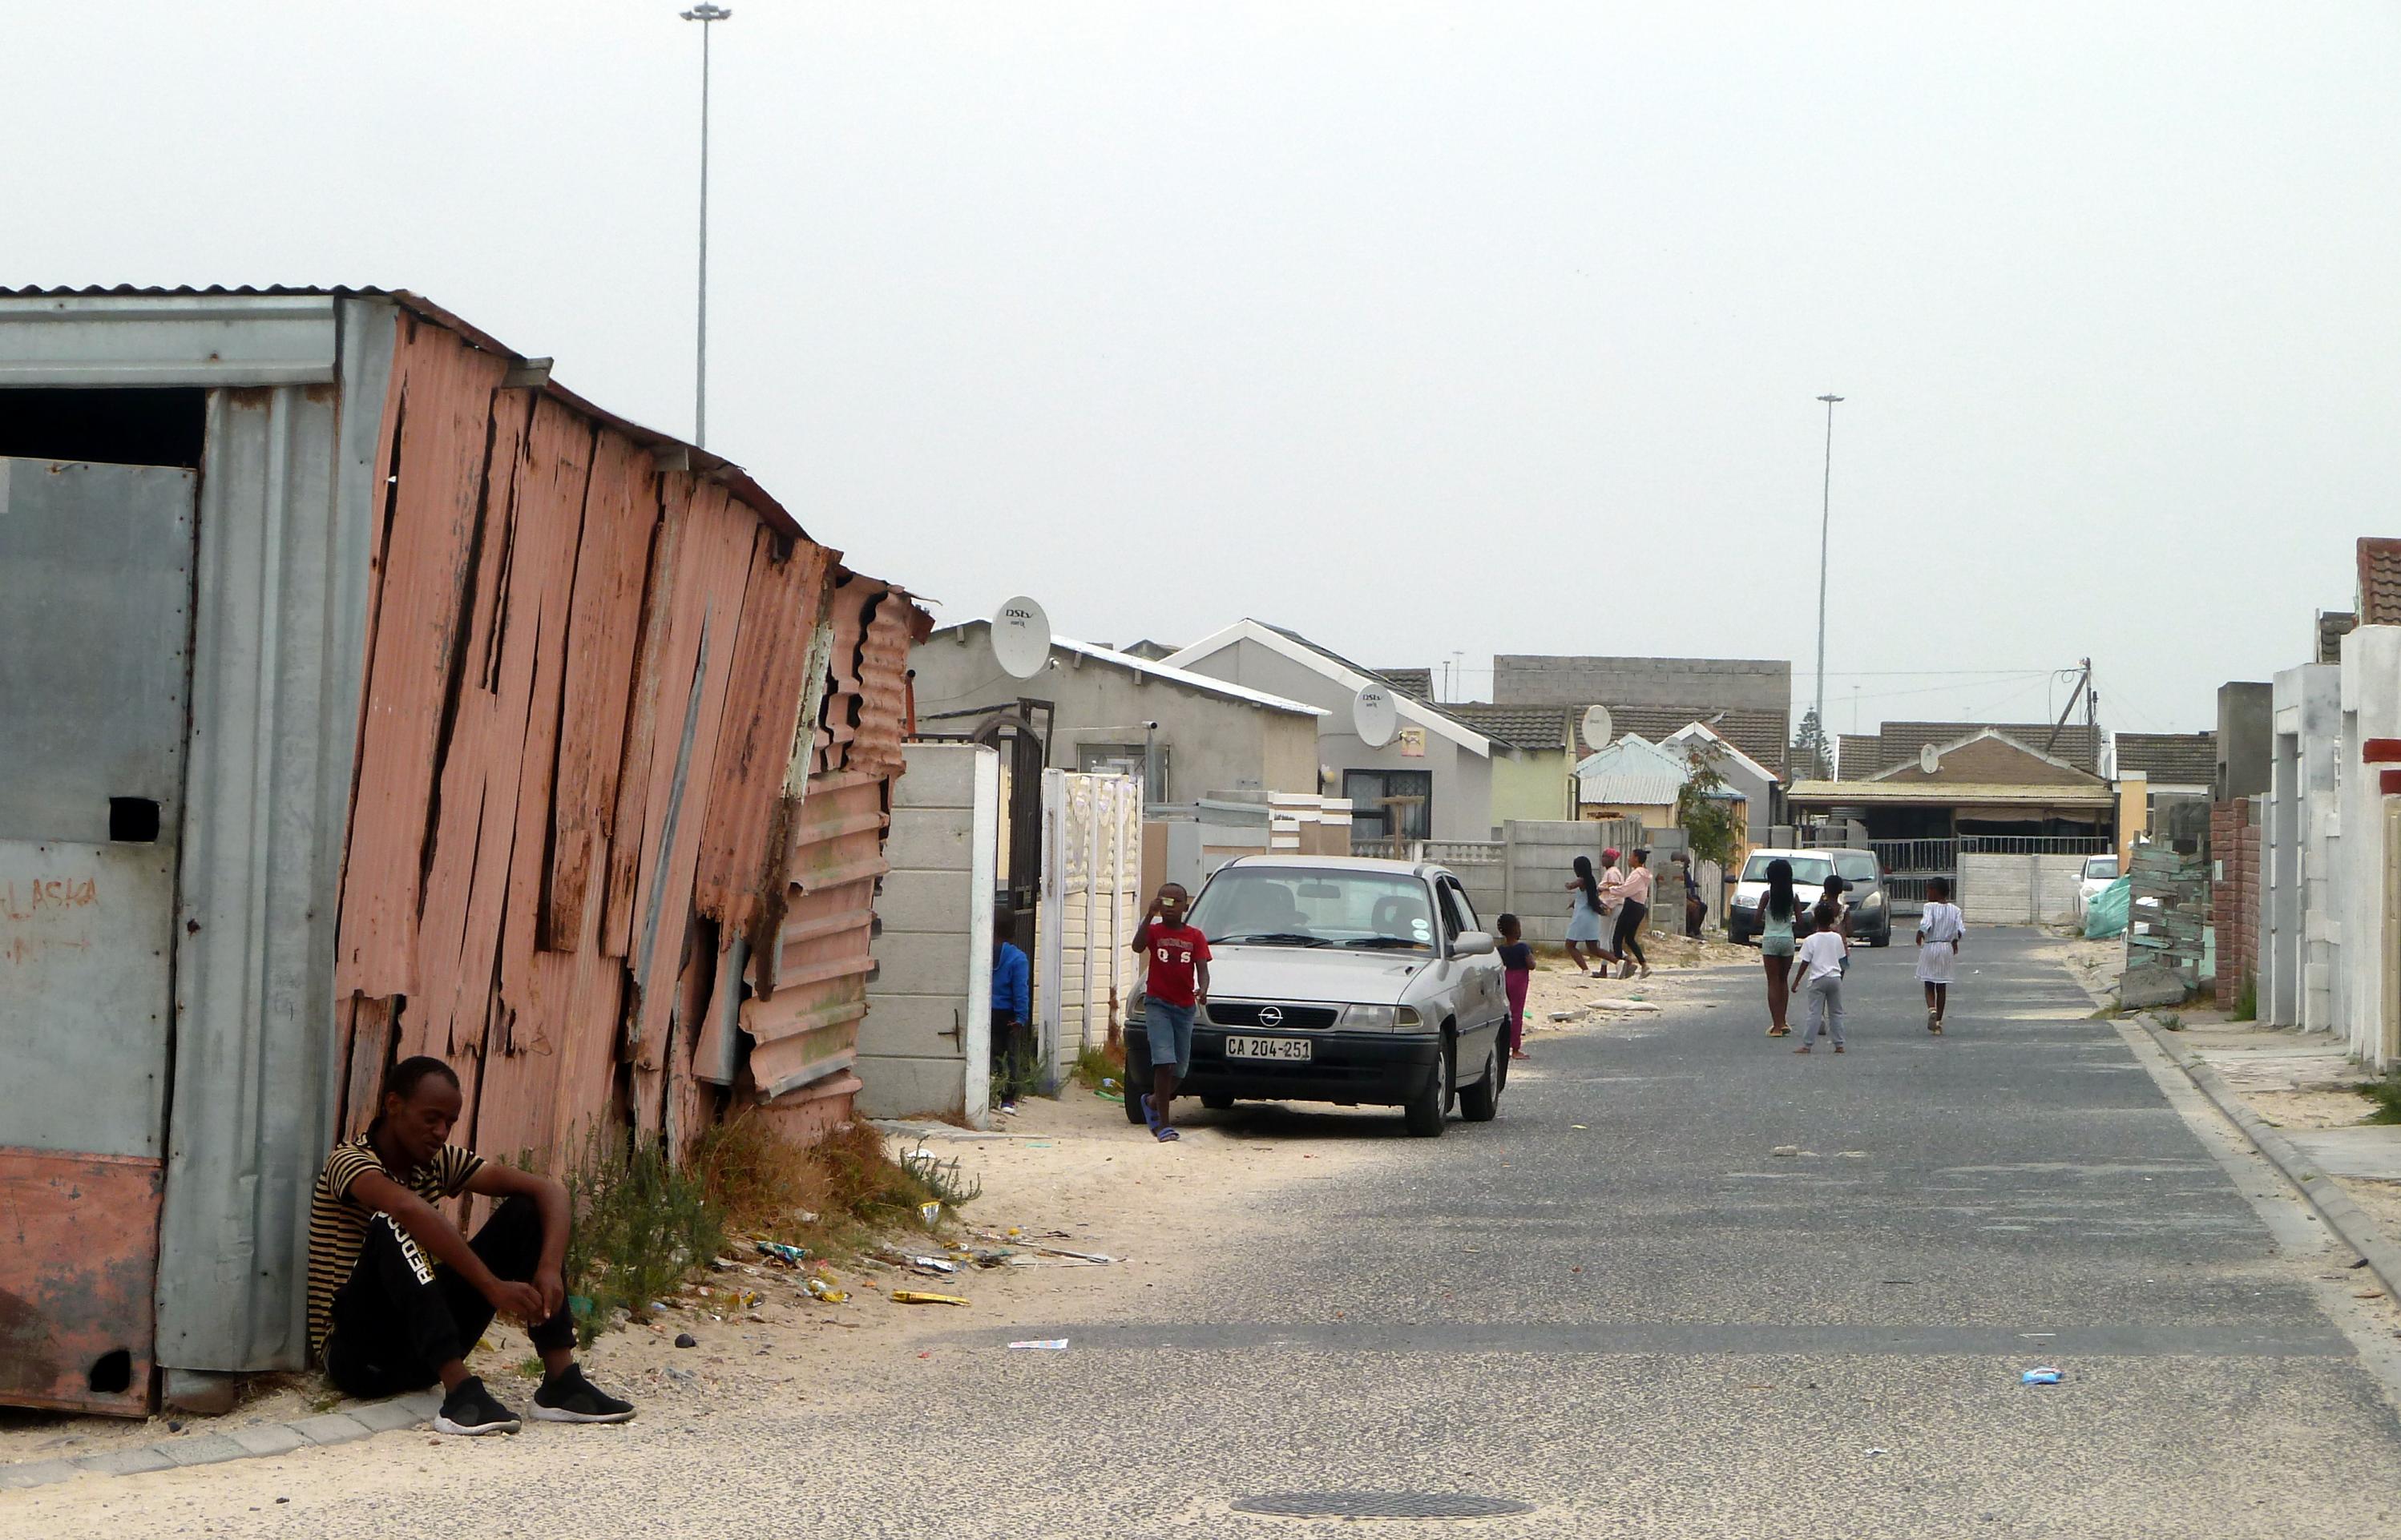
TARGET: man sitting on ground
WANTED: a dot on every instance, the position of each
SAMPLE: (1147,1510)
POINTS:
(382,1320)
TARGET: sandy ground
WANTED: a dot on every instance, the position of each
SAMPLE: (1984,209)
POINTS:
(1067,1174)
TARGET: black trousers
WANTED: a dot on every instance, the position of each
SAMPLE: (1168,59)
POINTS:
(402,1315)
(1631,917)
(1012,1056)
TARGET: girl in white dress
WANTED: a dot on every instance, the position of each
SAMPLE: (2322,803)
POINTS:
(1939,931)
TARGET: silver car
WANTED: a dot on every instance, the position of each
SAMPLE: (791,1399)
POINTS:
(1352,981)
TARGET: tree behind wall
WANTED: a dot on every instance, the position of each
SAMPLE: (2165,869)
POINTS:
(1813,757)
(1709,818)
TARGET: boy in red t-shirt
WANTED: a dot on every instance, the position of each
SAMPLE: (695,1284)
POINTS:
(1175,985)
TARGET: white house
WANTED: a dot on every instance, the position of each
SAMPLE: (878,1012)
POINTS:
(1437,765)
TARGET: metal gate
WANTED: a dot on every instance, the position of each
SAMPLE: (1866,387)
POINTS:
(95,615)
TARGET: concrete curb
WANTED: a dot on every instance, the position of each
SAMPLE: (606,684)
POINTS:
(2352,1226)
(207,1446)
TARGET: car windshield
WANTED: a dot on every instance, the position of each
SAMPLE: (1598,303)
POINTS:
(1300,907)
(2104,866)
(1807,870)
(1859,868)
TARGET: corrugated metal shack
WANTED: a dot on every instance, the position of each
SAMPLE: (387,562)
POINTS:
(465,719)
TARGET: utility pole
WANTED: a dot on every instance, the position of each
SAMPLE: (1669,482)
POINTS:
(2084,696)
(704,13)
(1825,537)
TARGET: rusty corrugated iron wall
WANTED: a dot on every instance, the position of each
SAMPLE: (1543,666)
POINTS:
(584,677)
(811,985)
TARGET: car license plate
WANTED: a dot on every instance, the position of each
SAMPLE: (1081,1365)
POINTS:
(1269,1047)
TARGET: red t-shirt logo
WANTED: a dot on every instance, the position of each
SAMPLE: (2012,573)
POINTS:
(1174,953)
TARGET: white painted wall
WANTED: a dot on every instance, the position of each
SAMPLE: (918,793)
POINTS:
(2299,851)
(2371,707)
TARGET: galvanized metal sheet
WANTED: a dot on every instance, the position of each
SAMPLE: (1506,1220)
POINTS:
(95,603)
(85,938)
(157,339)
(279,626)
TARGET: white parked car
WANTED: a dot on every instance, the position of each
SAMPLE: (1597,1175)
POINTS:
(2099,872)
(1810,869)
(1341,979)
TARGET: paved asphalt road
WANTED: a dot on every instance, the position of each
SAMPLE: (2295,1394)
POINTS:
(1651,1325)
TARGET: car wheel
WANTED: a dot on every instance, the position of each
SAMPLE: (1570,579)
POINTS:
(1481,1101)
(1882,938)
(1424,1111)
(1133,1103)
(1218,1101)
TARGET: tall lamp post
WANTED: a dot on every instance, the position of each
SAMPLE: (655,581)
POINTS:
(703,13)
(1825,533)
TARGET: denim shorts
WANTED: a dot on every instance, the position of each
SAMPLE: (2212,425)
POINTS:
(1169,1031)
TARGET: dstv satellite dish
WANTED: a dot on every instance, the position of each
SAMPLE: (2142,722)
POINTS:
(1927,760)
(1595,725)
(1376,716)
(1021,637)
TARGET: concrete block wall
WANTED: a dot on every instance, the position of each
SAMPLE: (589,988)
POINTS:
(1541,862)
(1748,683)
(2235,829)
(2019,890)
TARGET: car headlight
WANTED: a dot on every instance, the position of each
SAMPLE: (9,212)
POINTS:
(1873,900)
(1372,1017)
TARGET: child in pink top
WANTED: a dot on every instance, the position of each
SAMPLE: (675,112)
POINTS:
(1517,971)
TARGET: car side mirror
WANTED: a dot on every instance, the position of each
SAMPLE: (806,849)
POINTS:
(1472,944)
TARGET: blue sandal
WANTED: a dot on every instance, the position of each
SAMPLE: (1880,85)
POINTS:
(1149,1112)
(1166,1135)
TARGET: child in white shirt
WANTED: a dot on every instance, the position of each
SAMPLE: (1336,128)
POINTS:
(1939,931)
(1817,970)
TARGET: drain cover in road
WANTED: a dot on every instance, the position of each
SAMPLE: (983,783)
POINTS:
(1379,1505)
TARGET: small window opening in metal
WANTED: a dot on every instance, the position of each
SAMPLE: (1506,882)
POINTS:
(112,1373)
(132,820)
(162,426)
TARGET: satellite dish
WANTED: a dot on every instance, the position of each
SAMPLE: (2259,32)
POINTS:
(1021,637)
(1376,716)
(1927,760)
(1595,725)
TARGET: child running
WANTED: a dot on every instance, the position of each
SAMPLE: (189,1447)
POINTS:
(1820,960)
(1939,931)
(1516,971)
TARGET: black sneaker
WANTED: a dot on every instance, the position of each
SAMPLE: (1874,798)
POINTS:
(569,1398)
(470,1413)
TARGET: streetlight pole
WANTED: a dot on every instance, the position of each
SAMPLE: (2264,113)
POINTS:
(703,13)
(1825,536)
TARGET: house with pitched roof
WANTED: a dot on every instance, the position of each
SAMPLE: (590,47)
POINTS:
(1195,735)
(1434,781)
(1987,782)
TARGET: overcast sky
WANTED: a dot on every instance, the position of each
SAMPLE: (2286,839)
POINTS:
(1422,328)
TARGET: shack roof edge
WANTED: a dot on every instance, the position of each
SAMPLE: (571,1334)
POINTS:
(704,462)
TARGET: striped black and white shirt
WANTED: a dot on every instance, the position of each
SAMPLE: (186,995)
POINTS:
(337,1222)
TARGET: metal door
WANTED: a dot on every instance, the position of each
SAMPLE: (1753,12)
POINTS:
(95,613)
(926,1045)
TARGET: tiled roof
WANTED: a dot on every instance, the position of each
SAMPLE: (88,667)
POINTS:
(2380,581)
(2333,626)
(1758,733)
(1408,681)
(1520,726)
(1899,741)
(2169,759)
